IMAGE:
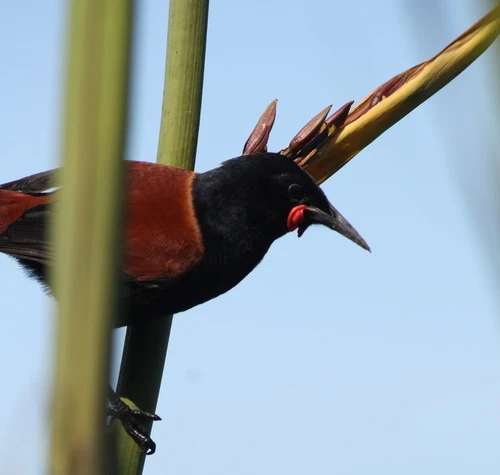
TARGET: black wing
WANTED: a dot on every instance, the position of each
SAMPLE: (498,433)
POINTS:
(34,184)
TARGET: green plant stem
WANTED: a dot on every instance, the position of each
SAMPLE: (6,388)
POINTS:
(86,230)
(146,345)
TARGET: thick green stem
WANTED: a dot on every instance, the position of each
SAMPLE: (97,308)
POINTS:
(86,230)
(146,345)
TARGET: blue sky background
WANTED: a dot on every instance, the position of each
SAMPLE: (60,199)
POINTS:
(326,359)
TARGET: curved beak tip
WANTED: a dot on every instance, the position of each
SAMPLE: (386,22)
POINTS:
(364,245)
(351,234)
(334,220)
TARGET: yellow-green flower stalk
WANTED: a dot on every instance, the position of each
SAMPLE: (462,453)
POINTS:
(326,144)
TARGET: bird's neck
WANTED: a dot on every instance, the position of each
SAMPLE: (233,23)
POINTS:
(233,228)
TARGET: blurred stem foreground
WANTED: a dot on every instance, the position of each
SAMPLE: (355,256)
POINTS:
(87,229)
(146,345)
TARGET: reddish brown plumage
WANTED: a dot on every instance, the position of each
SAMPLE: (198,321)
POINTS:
(13,205)
(162,235)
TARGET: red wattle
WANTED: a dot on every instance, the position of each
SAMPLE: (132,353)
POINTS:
(295,217)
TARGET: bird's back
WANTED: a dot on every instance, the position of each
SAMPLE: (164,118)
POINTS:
(162,235)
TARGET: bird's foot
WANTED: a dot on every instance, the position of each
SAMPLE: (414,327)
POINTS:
(132,421)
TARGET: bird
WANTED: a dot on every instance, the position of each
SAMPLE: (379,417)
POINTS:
(188,237)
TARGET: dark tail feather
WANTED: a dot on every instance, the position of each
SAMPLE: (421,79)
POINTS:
(24,215)
(37,183)
(25,254)
(26,240)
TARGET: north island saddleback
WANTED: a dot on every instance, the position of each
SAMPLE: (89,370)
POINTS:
(188,237)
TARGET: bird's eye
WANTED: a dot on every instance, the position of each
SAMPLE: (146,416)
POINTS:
(296,192)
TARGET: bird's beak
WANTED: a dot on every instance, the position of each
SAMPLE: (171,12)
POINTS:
(334,220)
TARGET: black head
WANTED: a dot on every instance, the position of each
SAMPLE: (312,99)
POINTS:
(271,194)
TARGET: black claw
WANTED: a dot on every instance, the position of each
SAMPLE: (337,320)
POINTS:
(130,420)
(145,415)
(139,434)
